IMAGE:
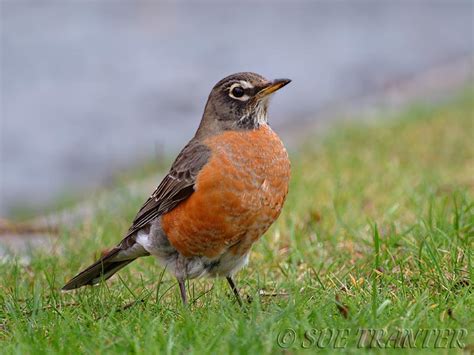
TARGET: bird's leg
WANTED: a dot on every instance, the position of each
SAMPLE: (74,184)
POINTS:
(234,288)
(182,290)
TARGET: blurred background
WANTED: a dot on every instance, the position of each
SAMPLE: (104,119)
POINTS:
(89,88)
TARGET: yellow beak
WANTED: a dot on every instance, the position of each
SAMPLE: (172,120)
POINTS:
(275,85)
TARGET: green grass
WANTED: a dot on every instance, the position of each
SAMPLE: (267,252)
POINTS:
(377,232)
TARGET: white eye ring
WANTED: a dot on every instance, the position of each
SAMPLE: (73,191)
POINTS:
(242,98)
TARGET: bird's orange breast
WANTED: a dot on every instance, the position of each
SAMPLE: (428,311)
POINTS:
(238,194)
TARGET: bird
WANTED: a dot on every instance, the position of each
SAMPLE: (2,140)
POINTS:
(222,193)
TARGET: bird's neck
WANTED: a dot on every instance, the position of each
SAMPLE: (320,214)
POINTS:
(211,124)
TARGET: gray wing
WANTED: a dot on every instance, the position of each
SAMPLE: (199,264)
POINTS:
(175,187)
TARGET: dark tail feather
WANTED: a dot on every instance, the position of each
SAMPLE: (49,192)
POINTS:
(101,269)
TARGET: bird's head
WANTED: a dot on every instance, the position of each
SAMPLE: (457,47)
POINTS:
(239,102)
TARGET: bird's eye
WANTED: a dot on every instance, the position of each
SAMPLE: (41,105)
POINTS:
(237,92)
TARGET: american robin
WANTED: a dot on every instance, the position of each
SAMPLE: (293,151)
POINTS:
(223,191)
